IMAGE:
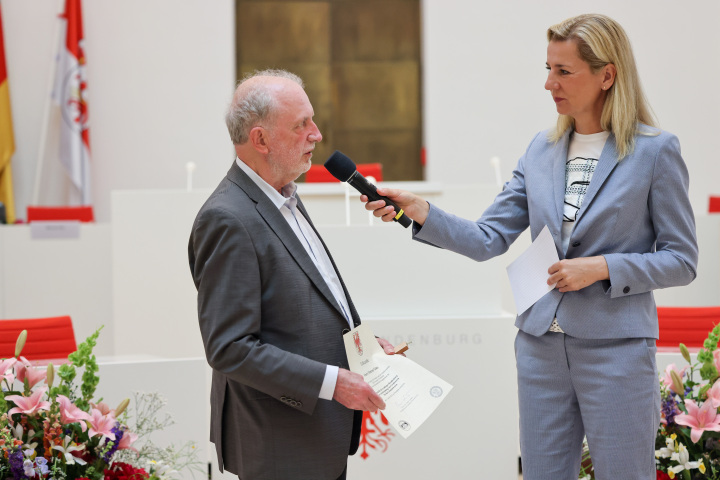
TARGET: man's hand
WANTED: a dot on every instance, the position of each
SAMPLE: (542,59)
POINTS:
(355,393)
(414,207)
(577,273)
(387,347)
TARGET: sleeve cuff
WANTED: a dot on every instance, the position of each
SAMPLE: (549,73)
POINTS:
(328,386)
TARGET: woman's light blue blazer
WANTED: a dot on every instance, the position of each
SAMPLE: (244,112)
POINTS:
(636,214)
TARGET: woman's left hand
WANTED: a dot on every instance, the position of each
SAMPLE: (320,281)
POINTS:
(577,273)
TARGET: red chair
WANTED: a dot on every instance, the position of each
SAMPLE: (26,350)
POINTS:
(688,325)
(83,213)
(714,205)
(319,174)
(47,339)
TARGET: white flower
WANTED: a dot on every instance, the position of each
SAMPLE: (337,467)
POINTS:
(67,450)
(682,456)
(28,468)
(668,450)
(160,469)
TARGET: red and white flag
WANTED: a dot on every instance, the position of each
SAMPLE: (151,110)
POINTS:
(70,93)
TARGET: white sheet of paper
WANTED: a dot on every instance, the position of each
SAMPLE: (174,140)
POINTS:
(410,392)
(529,272)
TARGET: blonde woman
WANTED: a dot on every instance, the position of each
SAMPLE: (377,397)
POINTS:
(613,190)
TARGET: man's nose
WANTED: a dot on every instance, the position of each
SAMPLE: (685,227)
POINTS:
(315,135)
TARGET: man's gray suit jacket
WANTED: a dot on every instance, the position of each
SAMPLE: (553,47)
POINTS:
(270,325)
(636,213)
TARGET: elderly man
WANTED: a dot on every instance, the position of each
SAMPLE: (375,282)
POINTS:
(272,306)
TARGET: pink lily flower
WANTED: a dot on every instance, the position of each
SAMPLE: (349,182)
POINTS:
(127,439)
(34,375)
(103,407)
(28,405)
(713,395)
(20,371)
(716,356)
(5,372)
(69,413)
(667,379)
(699,419)
(101,424)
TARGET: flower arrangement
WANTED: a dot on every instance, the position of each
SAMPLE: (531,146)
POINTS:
(688,439)
(58,432)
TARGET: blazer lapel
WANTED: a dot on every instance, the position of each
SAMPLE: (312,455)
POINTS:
(279,225)
(606,164)
(560,151)
(353,312)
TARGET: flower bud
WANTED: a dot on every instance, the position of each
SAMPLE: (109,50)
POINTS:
(50,375)
(20,343)
(121,408)
(677,384)
(685,353)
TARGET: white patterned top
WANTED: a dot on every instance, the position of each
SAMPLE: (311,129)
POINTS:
(583,154)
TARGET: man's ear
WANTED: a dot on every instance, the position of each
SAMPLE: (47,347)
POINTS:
(259,140)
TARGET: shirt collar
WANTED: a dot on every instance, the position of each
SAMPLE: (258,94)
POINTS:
(278,199)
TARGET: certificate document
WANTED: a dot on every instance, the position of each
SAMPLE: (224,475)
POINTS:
(410,392)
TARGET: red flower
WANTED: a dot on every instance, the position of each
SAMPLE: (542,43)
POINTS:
(662,476)
(124,471)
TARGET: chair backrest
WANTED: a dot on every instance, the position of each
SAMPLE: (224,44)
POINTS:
(47,339)
(319,174)
(714,206)
(83,213)
(688,325)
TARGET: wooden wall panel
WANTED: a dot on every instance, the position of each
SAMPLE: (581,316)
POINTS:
(376,95)
(279,32)
(375,30)
(360,61)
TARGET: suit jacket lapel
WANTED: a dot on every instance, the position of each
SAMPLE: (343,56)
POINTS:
(355,317)
(560,151)
(606,164)
(279,225)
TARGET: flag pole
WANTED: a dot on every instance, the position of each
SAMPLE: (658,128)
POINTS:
(48,104)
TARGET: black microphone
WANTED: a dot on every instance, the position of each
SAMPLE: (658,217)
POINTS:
(342,168)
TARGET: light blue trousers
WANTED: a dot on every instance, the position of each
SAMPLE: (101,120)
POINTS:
(606,390)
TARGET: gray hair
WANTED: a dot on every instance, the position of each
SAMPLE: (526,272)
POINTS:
(254,105)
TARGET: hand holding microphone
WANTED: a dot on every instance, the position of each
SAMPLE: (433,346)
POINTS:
(342,168)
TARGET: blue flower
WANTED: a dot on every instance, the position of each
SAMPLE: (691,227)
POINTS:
(113,445)
(42,467)
(16,460)
(669,409)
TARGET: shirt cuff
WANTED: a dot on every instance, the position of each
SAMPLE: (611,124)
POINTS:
(328,386)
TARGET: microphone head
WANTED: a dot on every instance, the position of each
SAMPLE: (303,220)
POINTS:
(340,166)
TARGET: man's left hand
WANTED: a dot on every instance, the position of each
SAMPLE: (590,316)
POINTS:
(387,347)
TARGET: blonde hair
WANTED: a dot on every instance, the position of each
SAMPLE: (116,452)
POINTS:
(600,41)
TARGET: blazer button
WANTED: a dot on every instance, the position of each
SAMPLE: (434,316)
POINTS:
(576,244)
(626,290)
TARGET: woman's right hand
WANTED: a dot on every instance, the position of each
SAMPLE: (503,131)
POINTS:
(414,206)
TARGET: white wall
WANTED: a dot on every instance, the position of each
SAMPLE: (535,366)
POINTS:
(160,73)
(484,75)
